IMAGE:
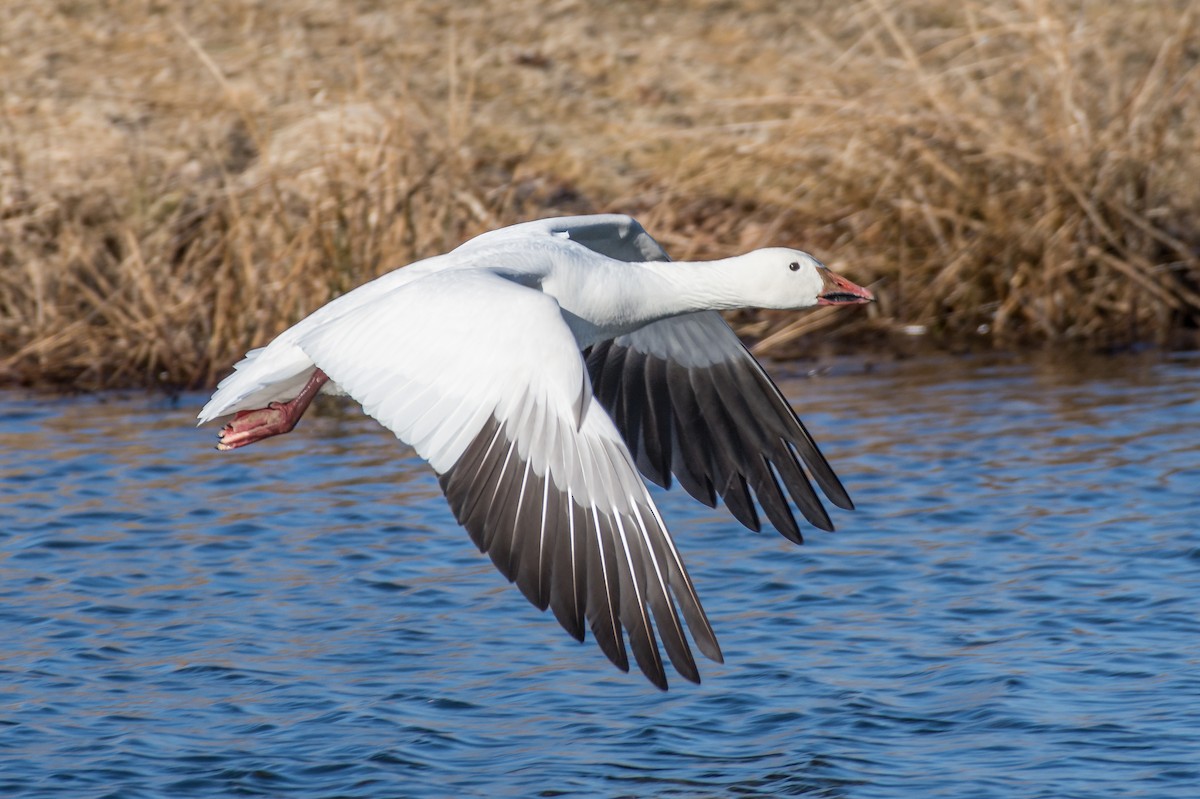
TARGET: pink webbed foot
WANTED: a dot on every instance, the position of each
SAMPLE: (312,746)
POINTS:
(275,419)
(250,426)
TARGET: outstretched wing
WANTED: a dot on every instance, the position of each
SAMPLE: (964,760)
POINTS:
(690,400)
(484,379)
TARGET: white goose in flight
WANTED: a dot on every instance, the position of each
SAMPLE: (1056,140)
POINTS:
(538,368)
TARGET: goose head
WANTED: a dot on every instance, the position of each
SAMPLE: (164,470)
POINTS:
(786,279)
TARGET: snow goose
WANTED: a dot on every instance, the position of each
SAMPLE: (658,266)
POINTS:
(538,368)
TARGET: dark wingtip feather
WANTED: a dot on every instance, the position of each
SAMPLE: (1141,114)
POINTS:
(613,573)
(706,425)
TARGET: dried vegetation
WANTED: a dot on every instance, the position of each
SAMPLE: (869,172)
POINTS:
(180,181)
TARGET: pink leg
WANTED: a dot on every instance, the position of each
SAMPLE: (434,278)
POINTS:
(273,420)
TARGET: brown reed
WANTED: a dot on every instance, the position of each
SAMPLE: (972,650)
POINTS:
(179,182)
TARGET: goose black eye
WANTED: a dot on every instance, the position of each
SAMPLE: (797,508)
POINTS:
(794,266)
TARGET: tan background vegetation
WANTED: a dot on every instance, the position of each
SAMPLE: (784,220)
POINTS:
(181,180)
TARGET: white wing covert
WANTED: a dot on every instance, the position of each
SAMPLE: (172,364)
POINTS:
(615,235)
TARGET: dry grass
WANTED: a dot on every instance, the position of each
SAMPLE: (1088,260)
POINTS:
(179,181)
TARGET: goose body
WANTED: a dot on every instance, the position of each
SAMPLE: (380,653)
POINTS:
(539,368)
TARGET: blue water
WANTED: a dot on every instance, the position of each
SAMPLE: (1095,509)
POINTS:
(1014,610)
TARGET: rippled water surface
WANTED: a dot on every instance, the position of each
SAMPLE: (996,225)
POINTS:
(1012,611)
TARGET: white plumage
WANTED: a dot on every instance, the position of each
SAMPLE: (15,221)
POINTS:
(538,368)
